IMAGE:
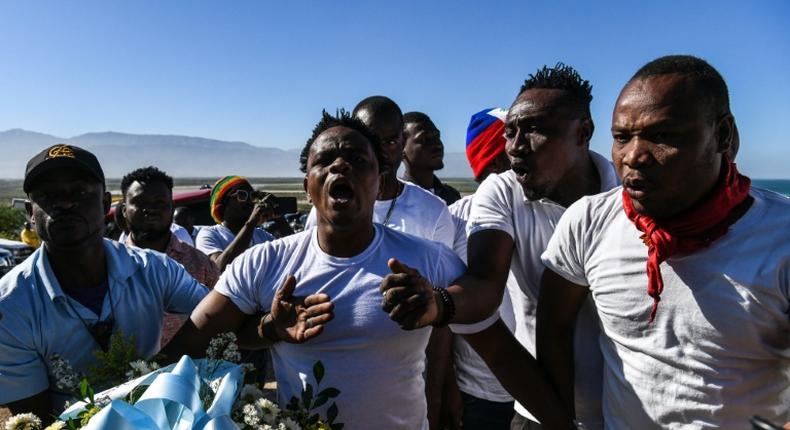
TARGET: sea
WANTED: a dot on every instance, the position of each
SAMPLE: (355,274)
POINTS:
(781,186)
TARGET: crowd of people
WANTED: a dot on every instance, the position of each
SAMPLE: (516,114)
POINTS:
(571,290)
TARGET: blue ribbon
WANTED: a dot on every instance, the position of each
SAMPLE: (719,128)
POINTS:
(172,401)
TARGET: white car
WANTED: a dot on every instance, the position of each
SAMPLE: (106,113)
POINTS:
(6,261)
(19,250)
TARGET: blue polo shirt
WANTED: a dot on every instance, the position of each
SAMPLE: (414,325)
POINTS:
(37,319)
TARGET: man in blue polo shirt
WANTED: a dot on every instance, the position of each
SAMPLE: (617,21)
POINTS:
(69,296)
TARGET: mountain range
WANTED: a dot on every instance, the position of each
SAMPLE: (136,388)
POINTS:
(179,156)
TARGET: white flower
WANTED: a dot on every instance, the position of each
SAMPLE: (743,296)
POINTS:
(269,409)
(214,385)
(223,347)
(140,368)
(66,379)
(250,393)
(289,424)
(251,415)
(57,425)
(23,422)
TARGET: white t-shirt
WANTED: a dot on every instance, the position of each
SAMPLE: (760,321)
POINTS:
(718,351)
(416,212)
(180,232)
(216,238)
(471,371)
(375,364)
(500,204)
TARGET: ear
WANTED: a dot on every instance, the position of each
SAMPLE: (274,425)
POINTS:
(107,202)
(726,135)
(586,129)
(304,187)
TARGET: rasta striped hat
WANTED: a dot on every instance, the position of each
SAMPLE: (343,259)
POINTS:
(221,188)
(484,139)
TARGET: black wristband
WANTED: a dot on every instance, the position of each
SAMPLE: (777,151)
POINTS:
(448,306)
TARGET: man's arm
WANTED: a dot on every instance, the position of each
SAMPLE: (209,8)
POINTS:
(558,307)
(520,374)
(293,319)
(478,293)
(239,244)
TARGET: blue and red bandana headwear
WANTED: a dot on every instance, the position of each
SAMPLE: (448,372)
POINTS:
(484,138)
(221,188)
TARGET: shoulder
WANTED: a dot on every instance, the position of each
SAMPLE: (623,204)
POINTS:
(425,198)
(501,185)
(403,244)
(597,209)
(278,247)
(461,207)
(208,230)
(18,286)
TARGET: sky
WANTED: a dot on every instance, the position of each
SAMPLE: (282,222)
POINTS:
(262,71)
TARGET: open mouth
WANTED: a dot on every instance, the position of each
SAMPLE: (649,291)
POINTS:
(340,191)
(637,188)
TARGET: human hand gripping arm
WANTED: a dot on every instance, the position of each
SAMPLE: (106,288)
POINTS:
(410,301)
(558,307)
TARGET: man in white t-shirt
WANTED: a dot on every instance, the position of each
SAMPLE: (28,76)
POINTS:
(239,211)
(548,128)
(376,366)
(486,404)
(689,266)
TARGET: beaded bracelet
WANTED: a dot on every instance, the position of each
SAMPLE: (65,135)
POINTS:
(448,306)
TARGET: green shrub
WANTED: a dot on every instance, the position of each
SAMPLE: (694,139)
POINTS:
(11,222)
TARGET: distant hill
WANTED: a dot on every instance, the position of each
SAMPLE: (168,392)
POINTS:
(180,156)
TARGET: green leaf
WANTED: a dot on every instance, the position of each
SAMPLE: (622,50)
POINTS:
(313,419)
(336,426)
(319,401)
(329,392)
(318,372)
(331,413)
(84,388)
(307,396)
(91,394)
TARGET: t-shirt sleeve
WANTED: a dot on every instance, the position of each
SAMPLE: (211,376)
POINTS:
(445,228)
(208,241)
(183,292)
(242,281)
(23,372)
(490,208)
(565,252)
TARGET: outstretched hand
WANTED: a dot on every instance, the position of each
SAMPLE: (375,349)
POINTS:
(297,319)
(409,298)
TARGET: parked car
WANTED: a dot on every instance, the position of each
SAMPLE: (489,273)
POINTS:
(6,261)
(20,251)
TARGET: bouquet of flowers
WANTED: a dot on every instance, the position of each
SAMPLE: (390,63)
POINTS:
(208,393)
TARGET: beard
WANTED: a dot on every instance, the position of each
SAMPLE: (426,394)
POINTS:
(149,236)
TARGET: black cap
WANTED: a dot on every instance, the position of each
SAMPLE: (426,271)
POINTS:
(61,156)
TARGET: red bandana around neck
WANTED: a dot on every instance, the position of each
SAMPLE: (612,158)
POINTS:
(693,230)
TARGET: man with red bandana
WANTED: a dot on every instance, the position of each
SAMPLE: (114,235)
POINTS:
(687,264)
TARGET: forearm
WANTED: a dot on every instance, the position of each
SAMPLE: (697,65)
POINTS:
(556,357)
(438,358)
(519,373)
(239,244)
(257,332)
(476,298)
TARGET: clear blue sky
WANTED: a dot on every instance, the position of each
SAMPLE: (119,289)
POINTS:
(261,71)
